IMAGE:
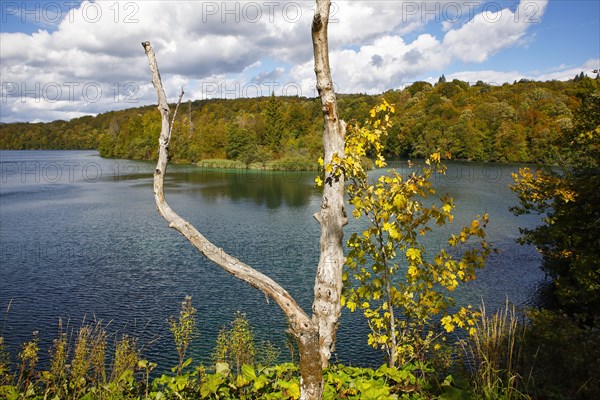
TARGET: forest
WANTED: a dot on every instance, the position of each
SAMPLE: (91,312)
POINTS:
(518,122)
(545,352)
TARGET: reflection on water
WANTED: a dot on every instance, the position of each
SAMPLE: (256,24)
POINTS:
(80,237)
(270,188)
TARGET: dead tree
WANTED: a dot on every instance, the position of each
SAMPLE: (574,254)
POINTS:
(331,217)
(315,334)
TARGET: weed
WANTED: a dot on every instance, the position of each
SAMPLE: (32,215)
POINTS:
(495,350)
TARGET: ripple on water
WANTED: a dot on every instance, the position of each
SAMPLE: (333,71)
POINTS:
(98,249)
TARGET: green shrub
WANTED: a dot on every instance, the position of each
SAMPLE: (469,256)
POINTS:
(184,329)
(235,346)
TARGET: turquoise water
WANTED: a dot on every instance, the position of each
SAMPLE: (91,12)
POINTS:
(80,239)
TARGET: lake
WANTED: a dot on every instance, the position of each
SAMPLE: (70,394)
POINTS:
(80,239)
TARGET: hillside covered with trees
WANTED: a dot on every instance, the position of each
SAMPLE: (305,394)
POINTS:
(517,122)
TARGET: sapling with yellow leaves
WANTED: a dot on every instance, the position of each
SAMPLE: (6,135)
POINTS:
(402,290)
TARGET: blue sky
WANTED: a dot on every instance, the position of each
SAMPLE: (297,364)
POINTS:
(568,34)
(64,59)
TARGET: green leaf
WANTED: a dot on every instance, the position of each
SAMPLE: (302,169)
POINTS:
(186,363)
(211,385)
(241,381)
(292,388)
(248,372)
(260,382)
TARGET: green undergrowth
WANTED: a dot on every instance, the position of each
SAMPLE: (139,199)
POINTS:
(281,381)
(507,358)
(91,363)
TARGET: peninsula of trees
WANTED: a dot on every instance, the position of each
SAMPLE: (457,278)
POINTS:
(517,122)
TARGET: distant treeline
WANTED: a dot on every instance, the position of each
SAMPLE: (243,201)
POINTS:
(516,122)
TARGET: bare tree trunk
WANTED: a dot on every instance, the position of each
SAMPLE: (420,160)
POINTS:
(311,373)
(332,217)
(302,327)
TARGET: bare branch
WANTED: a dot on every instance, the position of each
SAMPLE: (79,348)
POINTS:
(175,112)
(297,317)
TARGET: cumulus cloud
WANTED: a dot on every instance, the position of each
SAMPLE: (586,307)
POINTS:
(561,73)
(94,58)
(269,76)
(96,49)
(492,30)
(399,62)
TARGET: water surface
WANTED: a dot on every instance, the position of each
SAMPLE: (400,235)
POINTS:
(80,238)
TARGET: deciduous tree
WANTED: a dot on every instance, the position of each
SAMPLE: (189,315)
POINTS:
(391,277)
(568,196)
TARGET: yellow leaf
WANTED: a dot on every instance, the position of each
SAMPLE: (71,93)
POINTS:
(413,254)
(447,323)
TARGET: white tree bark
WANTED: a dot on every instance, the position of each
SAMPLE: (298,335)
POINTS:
(332,217)
(302,326)
(316,335)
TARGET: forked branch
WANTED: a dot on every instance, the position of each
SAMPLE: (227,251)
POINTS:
(299,321)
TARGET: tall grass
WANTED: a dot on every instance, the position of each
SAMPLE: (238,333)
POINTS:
(495,354)
(78,366)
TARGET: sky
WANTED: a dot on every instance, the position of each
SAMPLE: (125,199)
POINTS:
(66,59)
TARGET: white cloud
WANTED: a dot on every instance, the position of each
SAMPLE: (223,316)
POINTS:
(374,46)
(561,73)
(490,31)
(399,62)
(98,45)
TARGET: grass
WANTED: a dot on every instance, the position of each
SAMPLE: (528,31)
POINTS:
(78,365)
(222,164)
(87,362)
(495,354)
(85,365)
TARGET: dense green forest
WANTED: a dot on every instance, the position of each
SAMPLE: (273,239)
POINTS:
(517,122)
